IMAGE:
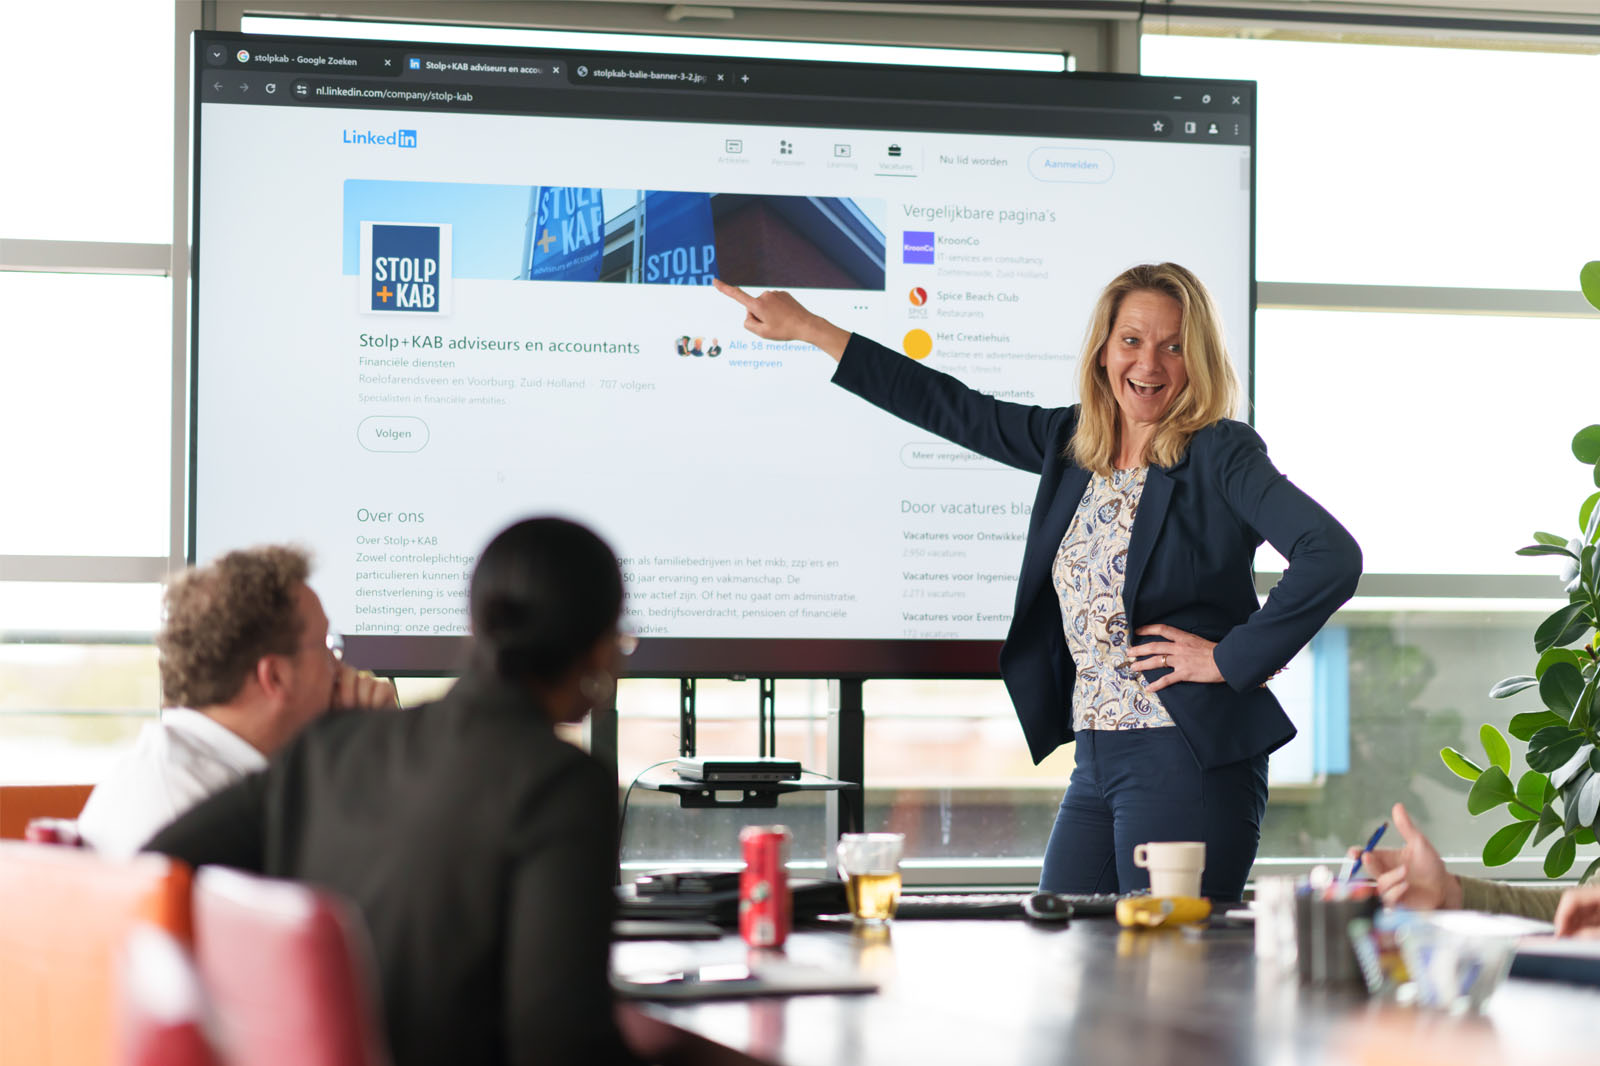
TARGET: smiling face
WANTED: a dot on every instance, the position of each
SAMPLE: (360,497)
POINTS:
(1143,359)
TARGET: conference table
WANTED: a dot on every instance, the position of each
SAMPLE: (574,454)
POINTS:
(1009,993)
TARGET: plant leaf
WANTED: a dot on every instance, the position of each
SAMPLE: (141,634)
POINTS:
(1563,627)
(1460,765)
(1506,843)
(1547,549)
(1585,512)
(1549,822)
(1559,861)
(1558,655)
(1564,775)
(1586,442)
(1560,688)
(1590,871)
(1532,789)
(1491,789)
(1510,686)
(1589,282)
(1495,747)
(1569,801)
(1550,538)
(1552,735)
(1581,710)
(1589,800)
(1555,753)
(1524,726)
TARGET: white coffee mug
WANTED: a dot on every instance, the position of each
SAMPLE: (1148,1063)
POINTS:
(1175,866)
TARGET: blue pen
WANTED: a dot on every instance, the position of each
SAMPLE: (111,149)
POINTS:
(1372,843)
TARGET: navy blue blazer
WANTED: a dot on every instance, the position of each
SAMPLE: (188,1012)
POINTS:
(1190,557)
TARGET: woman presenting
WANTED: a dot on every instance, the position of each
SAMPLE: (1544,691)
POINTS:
(1136,629)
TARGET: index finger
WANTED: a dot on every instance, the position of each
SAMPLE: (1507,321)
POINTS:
(1566,916)
(345,686)
(1158,629)
(734,292)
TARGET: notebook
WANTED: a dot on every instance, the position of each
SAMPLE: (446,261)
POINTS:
(736,980)
(1549,959)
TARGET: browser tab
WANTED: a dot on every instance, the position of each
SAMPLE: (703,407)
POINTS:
(304,57)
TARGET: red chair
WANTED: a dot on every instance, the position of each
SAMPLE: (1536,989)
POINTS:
(65,916)
(288,970)
(163,1015)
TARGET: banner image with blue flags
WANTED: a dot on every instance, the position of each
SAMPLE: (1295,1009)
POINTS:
(614,236)
(569,234)
(680,243)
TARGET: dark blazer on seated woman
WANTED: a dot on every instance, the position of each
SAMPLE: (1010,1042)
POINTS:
(1190,561)
(480,848)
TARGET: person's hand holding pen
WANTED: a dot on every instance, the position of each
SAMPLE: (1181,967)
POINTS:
(1353,859)
(1413,876)
(777,316)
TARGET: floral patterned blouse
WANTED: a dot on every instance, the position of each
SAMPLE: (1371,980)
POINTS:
(1089,572)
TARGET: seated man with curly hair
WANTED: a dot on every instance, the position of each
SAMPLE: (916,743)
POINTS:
(245,664)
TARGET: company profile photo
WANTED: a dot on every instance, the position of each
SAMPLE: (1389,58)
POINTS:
(1136,633)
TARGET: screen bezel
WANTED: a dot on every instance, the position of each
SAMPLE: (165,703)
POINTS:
(666,657)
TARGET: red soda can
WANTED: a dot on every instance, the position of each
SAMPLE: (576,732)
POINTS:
(52,831)
(766,907)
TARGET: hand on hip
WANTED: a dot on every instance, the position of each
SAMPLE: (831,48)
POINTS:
(1188,657)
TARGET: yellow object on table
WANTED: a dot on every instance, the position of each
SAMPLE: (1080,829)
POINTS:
(1150,912)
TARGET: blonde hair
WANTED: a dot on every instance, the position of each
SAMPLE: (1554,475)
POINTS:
(1211,395)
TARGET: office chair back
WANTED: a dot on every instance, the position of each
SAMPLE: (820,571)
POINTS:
(65,916)
(162,1016)
(288,969)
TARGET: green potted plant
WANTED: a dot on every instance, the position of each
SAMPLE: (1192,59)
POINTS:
(1559,795)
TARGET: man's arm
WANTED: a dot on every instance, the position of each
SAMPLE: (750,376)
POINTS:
(229,829)
(1497,897)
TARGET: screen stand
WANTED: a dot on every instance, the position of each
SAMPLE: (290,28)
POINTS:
(686,718)
(767,717)
(847,727)
(845,721)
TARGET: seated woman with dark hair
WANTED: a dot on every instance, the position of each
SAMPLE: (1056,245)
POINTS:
(480,848)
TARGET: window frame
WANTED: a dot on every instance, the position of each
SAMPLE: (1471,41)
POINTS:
(1106,39)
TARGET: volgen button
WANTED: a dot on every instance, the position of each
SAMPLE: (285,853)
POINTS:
(392,433)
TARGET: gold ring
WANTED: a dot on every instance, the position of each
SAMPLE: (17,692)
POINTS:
(1163,662)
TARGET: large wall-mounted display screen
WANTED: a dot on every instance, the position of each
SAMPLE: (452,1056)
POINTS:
(441,288)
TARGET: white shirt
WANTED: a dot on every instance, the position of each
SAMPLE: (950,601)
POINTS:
(175,763)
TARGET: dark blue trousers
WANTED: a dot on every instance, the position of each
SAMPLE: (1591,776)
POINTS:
(1133,786)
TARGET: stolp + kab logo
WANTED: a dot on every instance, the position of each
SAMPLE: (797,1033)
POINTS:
(405,267)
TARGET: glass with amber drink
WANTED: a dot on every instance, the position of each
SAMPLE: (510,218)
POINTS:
(870,864)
